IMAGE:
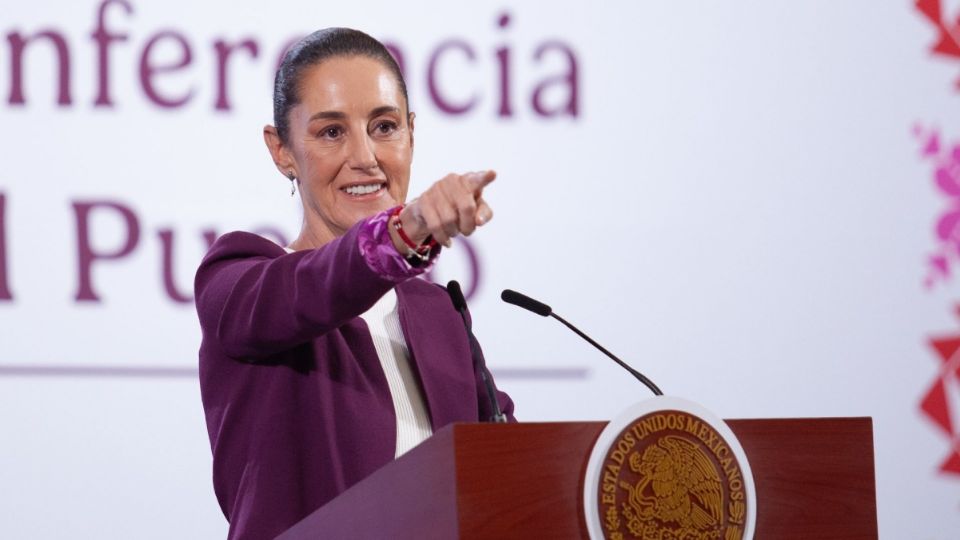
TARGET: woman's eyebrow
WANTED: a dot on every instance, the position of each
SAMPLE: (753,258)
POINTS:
(337,115)
(327,115)
(384,110)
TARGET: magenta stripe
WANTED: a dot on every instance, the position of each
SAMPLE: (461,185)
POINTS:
(160,372)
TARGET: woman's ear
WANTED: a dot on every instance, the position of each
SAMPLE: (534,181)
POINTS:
(279,152)
(410,118)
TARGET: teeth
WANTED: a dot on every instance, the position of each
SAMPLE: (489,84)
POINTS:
(363,190)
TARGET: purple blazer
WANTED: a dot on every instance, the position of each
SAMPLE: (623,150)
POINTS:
(296,403)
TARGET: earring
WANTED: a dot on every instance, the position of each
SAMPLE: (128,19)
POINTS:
(293,183)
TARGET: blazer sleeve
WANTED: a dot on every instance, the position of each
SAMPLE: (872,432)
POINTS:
(254,299)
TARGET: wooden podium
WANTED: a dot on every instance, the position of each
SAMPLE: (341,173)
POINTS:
(814,479)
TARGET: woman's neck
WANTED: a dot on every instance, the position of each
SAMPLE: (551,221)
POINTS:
(312,237)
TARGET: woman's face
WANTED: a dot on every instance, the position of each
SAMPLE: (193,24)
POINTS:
(351,140)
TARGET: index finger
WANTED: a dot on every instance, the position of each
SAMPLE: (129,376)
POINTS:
(479,180)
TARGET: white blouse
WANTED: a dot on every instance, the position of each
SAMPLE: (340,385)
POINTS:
(413,423)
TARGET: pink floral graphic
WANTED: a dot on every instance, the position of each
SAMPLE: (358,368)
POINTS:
(946,178)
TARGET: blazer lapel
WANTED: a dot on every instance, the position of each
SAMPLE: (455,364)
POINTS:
(439,352)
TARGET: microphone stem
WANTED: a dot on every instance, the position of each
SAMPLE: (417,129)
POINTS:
(497,415)
(640,377)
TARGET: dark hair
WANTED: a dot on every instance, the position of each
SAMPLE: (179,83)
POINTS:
(314,49)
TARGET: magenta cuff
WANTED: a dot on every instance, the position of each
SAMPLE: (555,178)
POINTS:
(382,256)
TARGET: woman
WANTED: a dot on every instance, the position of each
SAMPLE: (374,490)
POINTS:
(323,361)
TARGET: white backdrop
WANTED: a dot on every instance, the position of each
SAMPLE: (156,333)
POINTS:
(739,207)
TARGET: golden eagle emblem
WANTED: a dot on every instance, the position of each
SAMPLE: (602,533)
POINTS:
(678,486)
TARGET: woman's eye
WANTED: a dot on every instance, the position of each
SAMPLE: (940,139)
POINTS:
(385,127)
(331,132)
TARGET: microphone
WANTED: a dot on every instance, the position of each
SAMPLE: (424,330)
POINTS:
(460,304)
(529,304)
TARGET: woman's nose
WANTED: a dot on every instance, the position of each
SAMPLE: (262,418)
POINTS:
(362,152)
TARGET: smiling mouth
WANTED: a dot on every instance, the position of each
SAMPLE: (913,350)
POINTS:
(359,190)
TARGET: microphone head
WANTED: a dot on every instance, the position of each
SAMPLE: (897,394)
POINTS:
(456,295)
(527,303)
